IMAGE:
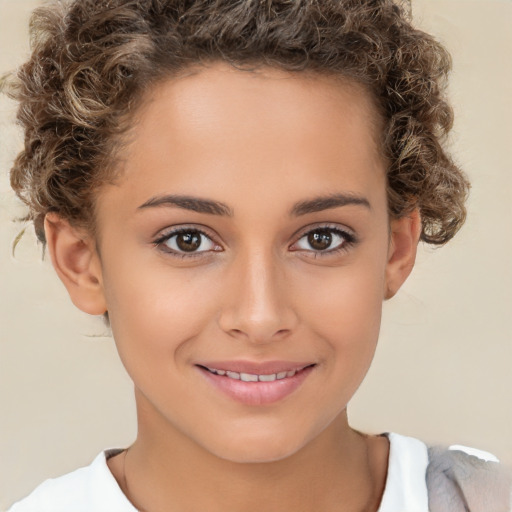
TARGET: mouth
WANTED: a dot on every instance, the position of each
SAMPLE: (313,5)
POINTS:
(257,385)
(256,377)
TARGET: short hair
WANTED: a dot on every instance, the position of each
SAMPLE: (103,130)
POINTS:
(92,61)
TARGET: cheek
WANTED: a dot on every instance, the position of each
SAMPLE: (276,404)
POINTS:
(344,310)
(347,299)
(156,308)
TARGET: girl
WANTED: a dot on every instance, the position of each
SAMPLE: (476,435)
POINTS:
(237,186)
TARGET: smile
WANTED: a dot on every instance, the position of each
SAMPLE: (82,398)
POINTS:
(251,377)
(256,386)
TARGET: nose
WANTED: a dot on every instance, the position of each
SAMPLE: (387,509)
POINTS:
(257,305)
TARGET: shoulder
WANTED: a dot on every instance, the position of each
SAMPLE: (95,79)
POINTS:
(424,478)
(88,489)
(405,487)
(459,477)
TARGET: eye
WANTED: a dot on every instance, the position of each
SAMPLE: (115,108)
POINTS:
(186,241)
(325,239)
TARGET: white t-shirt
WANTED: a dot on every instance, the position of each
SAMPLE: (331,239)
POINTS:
(94,489)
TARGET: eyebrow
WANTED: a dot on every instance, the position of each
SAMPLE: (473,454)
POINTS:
(196,204)
(328,202)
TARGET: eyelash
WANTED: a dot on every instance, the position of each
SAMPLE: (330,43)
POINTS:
(349,240)
(159,243)
(348,237)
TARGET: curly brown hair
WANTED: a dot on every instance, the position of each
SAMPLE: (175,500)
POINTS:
(92,61)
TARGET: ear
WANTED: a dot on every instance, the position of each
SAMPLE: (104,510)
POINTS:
(76,261)
(404,238)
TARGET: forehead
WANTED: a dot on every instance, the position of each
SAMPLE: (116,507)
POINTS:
(252,102)
(258,130)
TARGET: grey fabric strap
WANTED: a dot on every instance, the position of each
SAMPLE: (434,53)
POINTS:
(458,482)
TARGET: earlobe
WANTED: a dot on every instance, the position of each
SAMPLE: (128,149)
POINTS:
(77,264)
(405,234)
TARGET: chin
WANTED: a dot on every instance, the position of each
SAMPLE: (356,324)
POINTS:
(268,446)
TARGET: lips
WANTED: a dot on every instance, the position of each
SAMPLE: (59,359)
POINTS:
(255,368)
(255,377)
(256,383)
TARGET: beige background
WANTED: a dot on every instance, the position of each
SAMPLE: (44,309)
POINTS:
(443,368)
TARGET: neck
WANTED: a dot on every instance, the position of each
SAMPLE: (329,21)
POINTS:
(340,470)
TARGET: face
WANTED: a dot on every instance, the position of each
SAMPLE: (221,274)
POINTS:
(248,233)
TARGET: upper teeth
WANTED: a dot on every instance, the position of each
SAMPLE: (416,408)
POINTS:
(251,377)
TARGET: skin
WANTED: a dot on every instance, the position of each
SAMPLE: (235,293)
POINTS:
(255,290)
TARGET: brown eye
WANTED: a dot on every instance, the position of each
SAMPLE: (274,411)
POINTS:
(325,240)
(320,239)
(186,241)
